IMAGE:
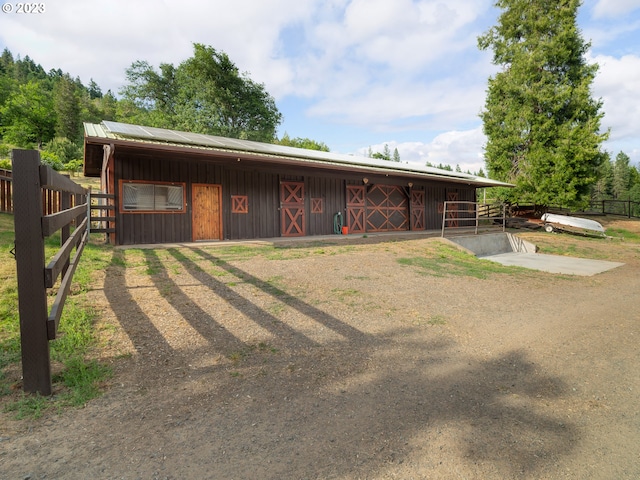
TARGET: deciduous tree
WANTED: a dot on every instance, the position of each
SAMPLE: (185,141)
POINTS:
(205,94)
(27,119)
(299,142)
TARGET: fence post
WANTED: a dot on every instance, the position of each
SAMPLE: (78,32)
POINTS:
(32,294)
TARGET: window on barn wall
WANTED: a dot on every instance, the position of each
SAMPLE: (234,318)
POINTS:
(317,205)
(152,197)
(239,204)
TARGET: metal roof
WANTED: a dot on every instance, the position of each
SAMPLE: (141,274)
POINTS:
(152,135)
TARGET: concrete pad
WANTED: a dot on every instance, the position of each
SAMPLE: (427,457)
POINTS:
(493,244)
(554,263)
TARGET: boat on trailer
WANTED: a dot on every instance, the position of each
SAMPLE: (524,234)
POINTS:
(566,223)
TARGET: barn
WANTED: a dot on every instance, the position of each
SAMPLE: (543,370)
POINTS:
(167,186)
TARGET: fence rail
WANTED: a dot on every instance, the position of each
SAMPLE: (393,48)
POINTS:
(32,182)
(627,208)
(462,215)
(103,206)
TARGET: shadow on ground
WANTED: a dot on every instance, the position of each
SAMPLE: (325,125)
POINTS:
(406,403)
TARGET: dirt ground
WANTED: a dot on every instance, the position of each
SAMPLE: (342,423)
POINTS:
(351,359)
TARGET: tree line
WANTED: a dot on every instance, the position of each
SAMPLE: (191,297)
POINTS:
(204,94)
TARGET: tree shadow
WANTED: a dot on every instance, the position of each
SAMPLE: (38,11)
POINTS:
(484,419)
(249,309)
(405,400)
(329,321)
(139,328)
(219,338)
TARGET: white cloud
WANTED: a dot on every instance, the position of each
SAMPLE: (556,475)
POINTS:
(463,148)
(618,84)
(100,40)
(614,8)
(433,105)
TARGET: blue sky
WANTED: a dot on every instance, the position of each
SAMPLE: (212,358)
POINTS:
(353,74)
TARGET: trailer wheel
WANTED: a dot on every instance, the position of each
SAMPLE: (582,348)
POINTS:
(548,228)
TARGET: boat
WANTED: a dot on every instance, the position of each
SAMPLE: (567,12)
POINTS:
(582,226)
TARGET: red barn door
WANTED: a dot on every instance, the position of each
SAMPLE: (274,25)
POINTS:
(355,208)
(292,220)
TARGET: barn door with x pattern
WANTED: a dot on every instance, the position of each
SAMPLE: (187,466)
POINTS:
(387,209)
(452,209)
(292,209)
(355,208)
(417,209)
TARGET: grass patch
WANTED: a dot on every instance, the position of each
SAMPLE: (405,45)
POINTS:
(357,277)
(624,234)
(28,406)
(584,247)
(81,378)
(437,320)
(83,381)
(445,260)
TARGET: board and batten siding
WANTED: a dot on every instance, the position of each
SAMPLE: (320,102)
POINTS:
(262,218)
(330,192)
(324,196)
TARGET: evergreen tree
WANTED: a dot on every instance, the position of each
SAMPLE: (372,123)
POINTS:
(8,84)
(541,123)
(384,155)
(396,155)
(386,152)
(108,105)
(621,177)
(603,188)
(26,70)
(66,100)
(94,90)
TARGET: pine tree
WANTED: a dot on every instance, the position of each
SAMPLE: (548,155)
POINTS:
(66,100)
(621,176)
(541,123)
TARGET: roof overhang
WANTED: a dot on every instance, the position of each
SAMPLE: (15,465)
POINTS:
(161,140)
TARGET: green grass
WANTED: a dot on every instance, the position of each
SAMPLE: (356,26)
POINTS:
(437,320)
(345,295)
(445,260)
(582,247)
(249,350)
(81,378)
(624,234)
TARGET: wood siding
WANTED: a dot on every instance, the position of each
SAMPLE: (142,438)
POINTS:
(325,195)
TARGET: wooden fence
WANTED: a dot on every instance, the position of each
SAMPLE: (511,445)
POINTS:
(6,191)
(32,182)
(626,208)
(51,199)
